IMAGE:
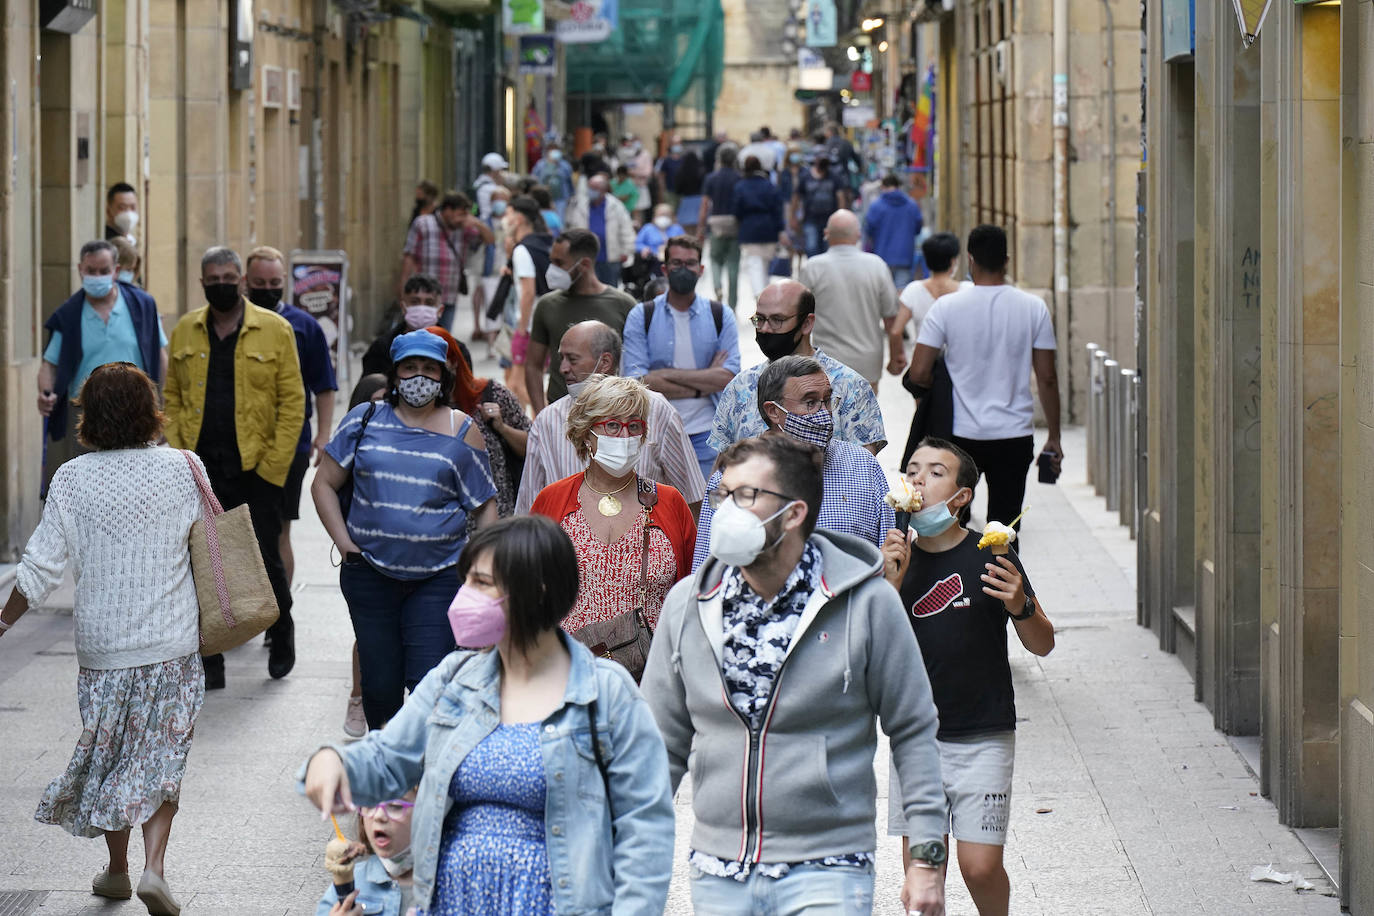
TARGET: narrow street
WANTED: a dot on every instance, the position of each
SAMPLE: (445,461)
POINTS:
(1126,800)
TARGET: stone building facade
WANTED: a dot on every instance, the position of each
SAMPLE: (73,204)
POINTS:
(1257,562)
(358,109)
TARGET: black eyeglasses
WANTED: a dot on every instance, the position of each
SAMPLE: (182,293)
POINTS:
(744,497)
(772,322)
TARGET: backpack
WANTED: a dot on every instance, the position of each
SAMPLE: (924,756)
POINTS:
(717,314)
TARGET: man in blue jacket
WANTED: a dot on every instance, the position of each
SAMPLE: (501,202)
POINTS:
(104,322)
(893,222)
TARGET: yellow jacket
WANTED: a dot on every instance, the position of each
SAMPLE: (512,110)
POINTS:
(269,396)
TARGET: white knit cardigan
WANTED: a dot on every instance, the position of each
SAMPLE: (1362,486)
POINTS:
(123,520)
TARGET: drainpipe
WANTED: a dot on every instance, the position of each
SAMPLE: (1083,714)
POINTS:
(1109,272)
(320,33)
(1061,170)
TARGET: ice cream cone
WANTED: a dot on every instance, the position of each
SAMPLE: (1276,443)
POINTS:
(903,521)
(999,550)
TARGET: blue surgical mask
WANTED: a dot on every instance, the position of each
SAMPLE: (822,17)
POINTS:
(933,520)
(498,207)
(97,286)
(125,276)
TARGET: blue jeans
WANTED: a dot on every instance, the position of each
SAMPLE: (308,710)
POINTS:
(901,276)
(706,456)
(402,630)
(813,238)
(812,890)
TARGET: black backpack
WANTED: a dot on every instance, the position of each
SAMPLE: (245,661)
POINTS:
(717,313)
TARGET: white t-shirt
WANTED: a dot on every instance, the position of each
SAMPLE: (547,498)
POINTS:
(988,333)
(697,413)
(919,300)
(521,263)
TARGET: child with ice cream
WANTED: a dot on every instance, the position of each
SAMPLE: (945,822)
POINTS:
(379,865)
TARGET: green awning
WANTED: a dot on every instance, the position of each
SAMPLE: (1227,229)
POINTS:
(667,51)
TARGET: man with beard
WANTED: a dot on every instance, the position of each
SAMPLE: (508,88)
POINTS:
(796,398)
(783,319)
(235,396)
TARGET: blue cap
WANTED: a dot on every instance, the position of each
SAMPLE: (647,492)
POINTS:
(420,343)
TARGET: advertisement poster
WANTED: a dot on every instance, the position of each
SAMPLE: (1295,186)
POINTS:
(591,21)
(820,23)
(537,57)
(319,284)
(522,17)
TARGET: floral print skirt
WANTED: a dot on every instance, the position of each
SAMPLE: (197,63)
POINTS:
(136,733)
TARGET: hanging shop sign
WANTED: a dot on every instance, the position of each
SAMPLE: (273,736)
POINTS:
(860,81)
(537,55)
(820,23)
(522,17)
(591,21)
(1250,14)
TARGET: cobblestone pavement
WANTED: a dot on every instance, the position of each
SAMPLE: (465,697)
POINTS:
(1126,800)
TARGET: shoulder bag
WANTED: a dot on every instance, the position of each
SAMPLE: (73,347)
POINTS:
(346,490)
(235,596)
(625,637)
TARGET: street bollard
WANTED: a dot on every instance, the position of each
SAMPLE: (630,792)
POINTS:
(1092,411)
(1112,460)
(1136,481)
(1125,496)
(1097,447)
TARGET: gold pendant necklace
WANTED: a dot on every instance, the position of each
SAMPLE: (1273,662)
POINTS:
(608,505)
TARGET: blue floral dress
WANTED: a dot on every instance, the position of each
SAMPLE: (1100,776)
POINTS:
(492,858)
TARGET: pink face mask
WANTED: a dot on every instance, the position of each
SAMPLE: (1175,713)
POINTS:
(478,620)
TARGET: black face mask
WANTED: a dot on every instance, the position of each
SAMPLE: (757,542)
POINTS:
(775,346)
(681,280)
(267,297)
(222,296)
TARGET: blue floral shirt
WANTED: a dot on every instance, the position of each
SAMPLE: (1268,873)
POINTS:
(758,633)
(858,418)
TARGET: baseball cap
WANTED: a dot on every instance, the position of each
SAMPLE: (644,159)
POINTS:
(419,343)
(494,161)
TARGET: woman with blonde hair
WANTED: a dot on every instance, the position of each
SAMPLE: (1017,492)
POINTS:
(634,538)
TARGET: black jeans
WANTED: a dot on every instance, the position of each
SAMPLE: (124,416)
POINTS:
(265,505)
(1006,464)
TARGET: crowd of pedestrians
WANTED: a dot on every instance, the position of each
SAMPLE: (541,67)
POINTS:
(570,592)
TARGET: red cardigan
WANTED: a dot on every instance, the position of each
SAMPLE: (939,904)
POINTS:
(559,500)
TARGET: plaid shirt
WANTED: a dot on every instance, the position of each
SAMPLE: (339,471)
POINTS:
(852,502)
(433,248)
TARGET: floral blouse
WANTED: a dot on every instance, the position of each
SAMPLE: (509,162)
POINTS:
(507,483)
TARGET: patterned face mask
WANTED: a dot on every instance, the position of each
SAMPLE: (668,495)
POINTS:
(418,390)
(815,429)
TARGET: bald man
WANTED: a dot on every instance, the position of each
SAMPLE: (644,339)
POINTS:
(607,219)
(856,301)
(783,319)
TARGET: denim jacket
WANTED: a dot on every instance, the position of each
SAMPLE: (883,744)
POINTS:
(378,893)
(457,705)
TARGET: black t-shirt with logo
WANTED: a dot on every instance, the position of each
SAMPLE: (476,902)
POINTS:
(963,636)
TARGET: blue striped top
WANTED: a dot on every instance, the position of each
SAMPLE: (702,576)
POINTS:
(413,490)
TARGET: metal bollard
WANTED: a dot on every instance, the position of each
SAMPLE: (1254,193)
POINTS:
(1125,495)
(1112,459)
(1136,483)
(1092,410)
(1098,445)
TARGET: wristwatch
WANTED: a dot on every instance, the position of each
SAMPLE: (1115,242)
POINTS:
(933,852)
(1027,611)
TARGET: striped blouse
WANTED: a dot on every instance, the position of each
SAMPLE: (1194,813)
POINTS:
(413,491)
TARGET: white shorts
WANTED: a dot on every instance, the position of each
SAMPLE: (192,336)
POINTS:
(977,777)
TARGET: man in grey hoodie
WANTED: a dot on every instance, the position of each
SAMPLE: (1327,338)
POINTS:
(783,788)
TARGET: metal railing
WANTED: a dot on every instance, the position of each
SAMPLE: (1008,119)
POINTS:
(1113,402)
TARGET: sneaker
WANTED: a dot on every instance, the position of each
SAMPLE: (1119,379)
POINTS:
(355,723)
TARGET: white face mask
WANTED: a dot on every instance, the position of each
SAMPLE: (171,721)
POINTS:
(617,455)
(576,388)
(738,535)
(663,222)
(557,277)
(126,221)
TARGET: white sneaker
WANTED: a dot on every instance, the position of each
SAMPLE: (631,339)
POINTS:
(355,723)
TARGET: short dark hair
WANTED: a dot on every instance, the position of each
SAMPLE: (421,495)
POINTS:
(987,245)
(966,475)
(455,200)
(542,196)
(582,243)
(119,408)
(422,283)
(890,180)
(427,188)
(447,379)
(519,545)
(806,305)
(528,207)
(940,250)
(119,187)
(682,241)
(774,376)
(752,164)
(97,246)
(802,466)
